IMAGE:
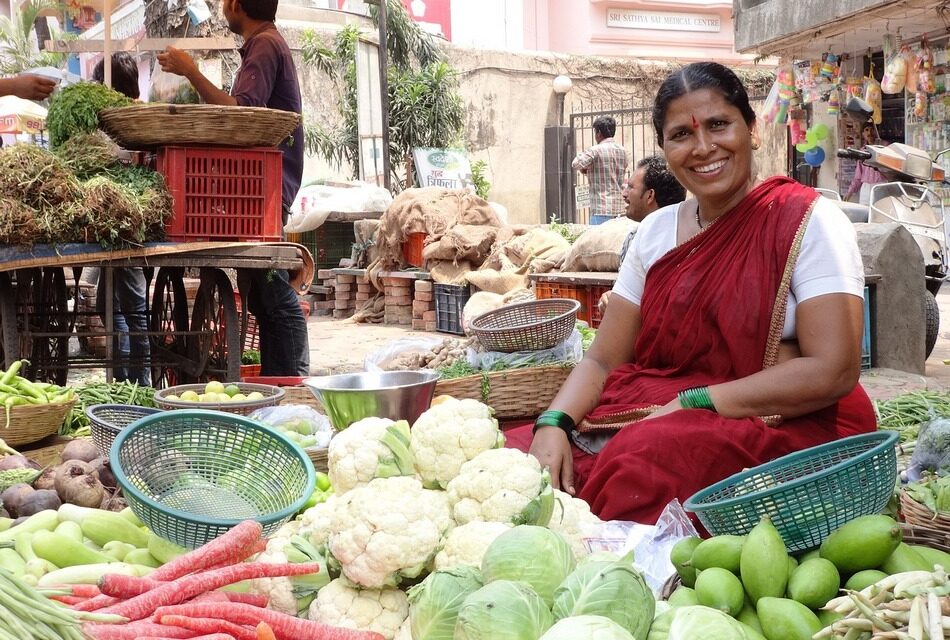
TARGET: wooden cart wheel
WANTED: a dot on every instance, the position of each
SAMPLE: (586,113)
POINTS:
(49,325)
(169,316)
(215,340)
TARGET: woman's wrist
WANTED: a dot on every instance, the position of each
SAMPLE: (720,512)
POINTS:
(696,398)
(557,419)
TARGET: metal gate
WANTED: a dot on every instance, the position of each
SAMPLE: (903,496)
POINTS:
(634,132)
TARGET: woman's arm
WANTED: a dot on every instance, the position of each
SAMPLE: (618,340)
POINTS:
(829,329)
(613,346)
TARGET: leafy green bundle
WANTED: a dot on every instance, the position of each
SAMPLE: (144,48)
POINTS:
(75,109)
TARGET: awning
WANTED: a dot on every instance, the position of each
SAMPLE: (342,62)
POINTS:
(21,116)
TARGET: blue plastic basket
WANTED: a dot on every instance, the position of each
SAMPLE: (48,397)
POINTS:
(191,475)
(807,494)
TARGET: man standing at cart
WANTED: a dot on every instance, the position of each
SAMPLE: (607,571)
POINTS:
(267,77)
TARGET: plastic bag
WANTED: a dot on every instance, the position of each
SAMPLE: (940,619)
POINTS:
(932,452)
(651,544)
(315,202)
(301,423)
(775,109)
(376,361)
(895,70)
(874,97)
(806,81)
(171,88)
(571,350)
(924,65)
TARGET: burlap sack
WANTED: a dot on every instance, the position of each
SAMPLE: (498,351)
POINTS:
(553,262)
(599,248)
(365,251)
(462,242)
(500,282)
(449,272)
(538,243)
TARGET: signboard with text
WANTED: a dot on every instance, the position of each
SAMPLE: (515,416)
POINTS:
(663,20)
(447,168)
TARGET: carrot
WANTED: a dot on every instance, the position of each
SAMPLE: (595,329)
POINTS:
(79,590)
(120,586)
(70,600)
(285,627)
(233,546)
(209,636)
(264,632)
(188,587)
(210,625)
(253,599)
(97,602)
(135,630)
(210,596)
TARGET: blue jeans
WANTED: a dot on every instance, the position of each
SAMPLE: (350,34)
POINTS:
(129,314)
(285,346)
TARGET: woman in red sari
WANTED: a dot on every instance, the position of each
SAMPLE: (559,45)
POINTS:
(734,332)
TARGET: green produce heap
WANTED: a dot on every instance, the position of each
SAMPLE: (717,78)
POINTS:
(80,193)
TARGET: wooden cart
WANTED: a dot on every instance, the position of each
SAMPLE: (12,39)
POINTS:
(38,315)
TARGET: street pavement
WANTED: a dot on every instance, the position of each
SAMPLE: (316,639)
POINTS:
(340,346)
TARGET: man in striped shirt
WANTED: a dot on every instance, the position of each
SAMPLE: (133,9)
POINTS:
(604,164)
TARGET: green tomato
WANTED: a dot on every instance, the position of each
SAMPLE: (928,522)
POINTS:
(323,481)
(190,396)
(232,390)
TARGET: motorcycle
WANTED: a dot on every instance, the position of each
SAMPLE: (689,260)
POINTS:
(909,198)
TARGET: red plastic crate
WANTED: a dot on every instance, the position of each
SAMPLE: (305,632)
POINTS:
(594,293)
(222,193)
(544,289)
(412,249)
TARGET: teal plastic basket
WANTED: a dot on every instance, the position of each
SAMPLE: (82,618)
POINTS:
(191,475)
(807,494)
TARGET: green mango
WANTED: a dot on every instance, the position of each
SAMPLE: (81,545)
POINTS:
(680,556)
(718,551)
(863,543)
(763,563)
(719,588)
(784,619)
(814,582)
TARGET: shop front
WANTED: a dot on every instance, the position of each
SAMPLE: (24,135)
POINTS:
(893,55)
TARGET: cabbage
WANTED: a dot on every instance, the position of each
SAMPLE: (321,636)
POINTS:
(534,555)
(503,610)
(586,627)
(437,599)
(611,589)
(699,623)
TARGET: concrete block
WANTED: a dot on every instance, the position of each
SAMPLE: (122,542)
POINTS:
(343,279)
(325,274)
(363,295)
(420,306)
(425,296)
(342,304)
(423,285)
(418,324)
(429,316)
(343,287)
(399,301)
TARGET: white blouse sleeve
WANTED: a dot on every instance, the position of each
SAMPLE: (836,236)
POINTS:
(829,260)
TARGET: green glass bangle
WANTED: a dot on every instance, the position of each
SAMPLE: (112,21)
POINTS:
(557,419)
(696,398)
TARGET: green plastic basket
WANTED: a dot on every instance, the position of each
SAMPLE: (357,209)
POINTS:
(190,475)
(807,494)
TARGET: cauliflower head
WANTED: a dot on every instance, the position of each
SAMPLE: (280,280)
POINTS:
(502,485)
(465,545)
(290,595)
(343,605)
(388,530)
(449,435)
(315,521)
(405,631)
(367,449)
(571,518)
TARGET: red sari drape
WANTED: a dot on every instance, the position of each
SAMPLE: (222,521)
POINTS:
(713,311)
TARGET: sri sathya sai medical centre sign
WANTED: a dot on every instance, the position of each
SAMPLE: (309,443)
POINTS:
(662,20)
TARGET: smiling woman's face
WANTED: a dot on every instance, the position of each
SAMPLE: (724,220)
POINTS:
(708,147)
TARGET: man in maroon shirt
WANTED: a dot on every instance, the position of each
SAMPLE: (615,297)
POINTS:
(267,78)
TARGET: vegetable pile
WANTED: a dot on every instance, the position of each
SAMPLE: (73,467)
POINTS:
(906,412)
(17,391)
(81,194)
(75,109)
(102,392)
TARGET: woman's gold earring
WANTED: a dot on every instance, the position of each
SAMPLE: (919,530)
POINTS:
(756,143)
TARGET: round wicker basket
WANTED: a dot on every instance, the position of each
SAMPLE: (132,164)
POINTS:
(32,422)
(526,326)
(272,396)
(145,126)
(918,515)
(319,458)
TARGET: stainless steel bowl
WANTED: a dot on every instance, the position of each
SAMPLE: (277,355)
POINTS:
(397,395)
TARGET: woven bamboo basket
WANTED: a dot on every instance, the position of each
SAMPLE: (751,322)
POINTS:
(145,126)
(515,393)
(926,536)
(672,584)
(918,515)
(33,422)
(319,458)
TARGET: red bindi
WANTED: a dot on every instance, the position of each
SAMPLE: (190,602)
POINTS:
(695,123)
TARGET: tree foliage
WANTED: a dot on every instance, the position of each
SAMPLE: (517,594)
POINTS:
(19,49)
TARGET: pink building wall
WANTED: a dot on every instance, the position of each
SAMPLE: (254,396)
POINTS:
(682,30)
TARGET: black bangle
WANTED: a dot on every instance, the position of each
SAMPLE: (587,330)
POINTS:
(557,419)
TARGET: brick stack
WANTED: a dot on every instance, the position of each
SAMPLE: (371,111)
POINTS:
(364,291)
(322,293)
(344,296)
(398,299)
(423,307)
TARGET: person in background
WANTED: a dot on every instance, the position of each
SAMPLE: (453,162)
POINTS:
(267,77)
(129,285)
(604,165)
(651,187)
(27,86)
(734,333)
(865,177)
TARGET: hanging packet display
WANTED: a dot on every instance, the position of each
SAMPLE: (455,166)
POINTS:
(874,97)
(895,68)
(920,104)
(829,67)
(806,81)
(834,104)
(775,109)
(924,66)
